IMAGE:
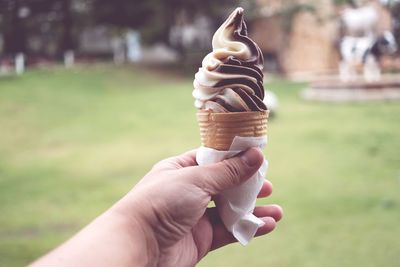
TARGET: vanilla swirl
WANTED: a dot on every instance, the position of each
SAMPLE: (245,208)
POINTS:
(231,78)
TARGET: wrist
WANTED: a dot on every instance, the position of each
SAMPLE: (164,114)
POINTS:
(139,232)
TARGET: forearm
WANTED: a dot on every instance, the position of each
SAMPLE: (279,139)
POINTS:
(110,240)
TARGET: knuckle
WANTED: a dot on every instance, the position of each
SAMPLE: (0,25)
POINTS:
(161,163)
(168,163)
(232,170)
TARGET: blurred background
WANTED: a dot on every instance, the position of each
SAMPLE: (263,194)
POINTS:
(94,92)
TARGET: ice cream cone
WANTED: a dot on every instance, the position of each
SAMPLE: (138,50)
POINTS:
(217,130)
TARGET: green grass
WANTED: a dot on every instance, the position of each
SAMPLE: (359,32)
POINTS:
(73,142)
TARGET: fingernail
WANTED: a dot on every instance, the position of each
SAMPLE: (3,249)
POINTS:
(250,157)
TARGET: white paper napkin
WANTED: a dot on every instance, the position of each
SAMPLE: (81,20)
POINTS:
(236,205)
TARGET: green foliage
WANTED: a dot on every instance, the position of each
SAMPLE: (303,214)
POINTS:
(352,3)
(72,142)
(58,20)
(154,18)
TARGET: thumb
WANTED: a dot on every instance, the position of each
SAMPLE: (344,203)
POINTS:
(218,177)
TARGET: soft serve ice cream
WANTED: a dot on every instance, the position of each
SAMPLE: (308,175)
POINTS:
(231,78)
(232,117)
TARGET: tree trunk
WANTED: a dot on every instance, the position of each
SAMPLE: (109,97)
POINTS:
(15,33)
(66,42)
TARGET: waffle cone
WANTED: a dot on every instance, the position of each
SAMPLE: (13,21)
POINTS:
(217,130)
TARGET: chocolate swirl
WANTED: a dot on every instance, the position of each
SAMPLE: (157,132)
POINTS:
(231,78)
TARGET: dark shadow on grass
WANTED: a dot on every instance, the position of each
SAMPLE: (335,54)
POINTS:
(8,78)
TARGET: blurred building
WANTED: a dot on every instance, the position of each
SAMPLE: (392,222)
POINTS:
(301,36)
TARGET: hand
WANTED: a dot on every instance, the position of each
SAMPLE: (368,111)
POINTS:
(172,201)
(165,219)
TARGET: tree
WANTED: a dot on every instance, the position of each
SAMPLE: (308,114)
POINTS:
(394,7)
(154,18)
(24,18)
(13,13)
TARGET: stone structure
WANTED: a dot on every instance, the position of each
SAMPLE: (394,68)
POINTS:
(308,45)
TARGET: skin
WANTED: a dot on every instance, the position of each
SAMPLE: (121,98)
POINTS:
(165,220)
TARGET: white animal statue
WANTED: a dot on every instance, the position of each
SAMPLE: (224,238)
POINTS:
(361,21)
(364,52)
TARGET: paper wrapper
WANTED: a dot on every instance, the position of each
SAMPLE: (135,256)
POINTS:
(222,141)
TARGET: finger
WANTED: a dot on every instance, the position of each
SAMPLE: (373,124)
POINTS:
(177,162)
(215,178)
(187,159)
(221,236)
(273,211)
(269,226)
(266,189)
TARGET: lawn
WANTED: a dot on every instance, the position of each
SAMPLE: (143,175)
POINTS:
(72,142)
